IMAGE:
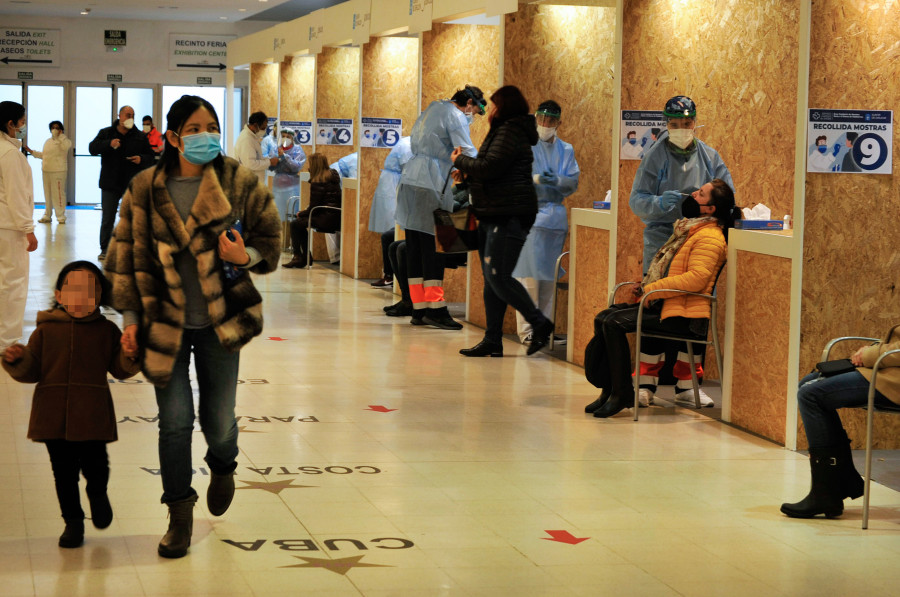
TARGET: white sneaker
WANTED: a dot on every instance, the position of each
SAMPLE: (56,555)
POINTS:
(686,398)
(44,220)
(645,397)
(527,339)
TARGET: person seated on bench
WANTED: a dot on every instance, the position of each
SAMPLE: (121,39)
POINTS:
(690,261)
(830,461)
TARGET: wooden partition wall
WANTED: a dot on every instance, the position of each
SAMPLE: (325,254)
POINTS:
(453,56)
(390,74)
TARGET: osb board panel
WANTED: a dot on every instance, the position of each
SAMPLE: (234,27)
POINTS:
(565,53)
(456,55)
(298,83)
(455,284)
(476,299)
(390,88)
(337,93)
(737,59)
(851,279)
(264,89)
(591,292)
(349,226)
(761,339)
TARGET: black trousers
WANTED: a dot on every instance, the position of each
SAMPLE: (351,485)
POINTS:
(71,459)
(109,201)
(613,356)
(386,266)
(397,255)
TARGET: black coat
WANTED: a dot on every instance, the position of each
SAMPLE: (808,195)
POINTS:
(115,170)
(500,176)
(324,193)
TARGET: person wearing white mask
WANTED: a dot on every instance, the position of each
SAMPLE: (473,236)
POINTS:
(248,150)
(555,173)
(671,169)
(153,135)
(286,182)
(54,166)
(124,151)
(17,237)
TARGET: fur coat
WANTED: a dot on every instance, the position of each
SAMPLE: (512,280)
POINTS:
(140,260)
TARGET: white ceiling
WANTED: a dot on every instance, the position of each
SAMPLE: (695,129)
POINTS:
(168,10)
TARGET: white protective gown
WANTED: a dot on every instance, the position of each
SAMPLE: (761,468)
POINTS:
(548,235)
(437,131)
(286,183)
(384,201)
(16,221)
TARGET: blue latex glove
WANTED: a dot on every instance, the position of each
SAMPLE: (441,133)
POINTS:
(643,141)
(548,178)
(669,200)
(836,150)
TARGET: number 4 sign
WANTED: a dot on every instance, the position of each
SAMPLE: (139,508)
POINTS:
(334,131)
(850,141)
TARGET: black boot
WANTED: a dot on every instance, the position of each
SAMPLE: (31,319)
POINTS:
(399,309)
(73,536)
(851,484)
(101,509)
(177,539)
(825,494)
(485,348)
(614,405)
(220,493)
(540,336)
(593,406)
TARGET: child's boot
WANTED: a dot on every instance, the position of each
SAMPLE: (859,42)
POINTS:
(73,536)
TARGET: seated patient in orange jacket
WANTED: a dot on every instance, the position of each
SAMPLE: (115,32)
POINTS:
(689,260)
(69,356)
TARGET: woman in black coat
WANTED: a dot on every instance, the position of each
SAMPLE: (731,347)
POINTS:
(505,202)
(324,189)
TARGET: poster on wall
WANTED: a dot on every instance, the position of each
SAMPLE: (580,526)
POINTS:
(850,141)
(303,130)
(334,131)
(23,47)
(638,132)
(380,132)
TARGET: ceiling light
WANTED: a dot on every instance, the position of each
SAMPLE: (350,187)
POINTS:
(224,18)
(242,10)
(86,11)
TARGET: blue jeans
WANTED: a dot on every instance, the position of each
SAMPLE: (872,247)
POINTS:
(819,398)
(500,242)
(217,373)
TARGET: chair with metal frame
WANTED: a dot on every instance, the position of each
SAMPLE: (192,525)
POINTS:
(870,408)
(556,288)
(290,214)
(711,325)
(310,230)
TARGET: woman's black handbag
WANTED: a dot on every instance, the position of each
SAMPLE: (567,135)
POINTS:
(830,368)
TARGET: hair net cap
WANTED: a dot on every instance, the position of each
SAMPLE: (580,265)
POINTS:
(287,132)
(680,106)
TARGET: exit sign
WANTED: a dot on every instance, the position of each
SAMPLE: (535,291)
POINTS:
(113,78)
(204,80)
(26,75)
(114,37)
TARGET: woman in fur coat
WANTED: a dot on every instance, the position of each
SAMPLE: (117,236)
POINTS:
(189,232)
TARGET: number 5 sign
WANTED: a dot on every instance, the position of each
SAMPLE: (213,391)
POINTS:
(334,131)
(850,141)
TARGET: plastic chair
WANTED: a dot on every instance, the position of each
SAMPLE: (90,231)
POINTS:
(559,286)
(870,413)
(689,340)
(310,230)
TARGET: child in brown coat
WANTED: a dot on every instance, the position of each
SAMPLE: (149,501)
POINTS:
(68,356)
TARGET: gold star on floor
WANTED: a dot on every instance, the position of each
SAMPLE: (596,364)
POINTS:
(274,487)
(340,565)
(243,429)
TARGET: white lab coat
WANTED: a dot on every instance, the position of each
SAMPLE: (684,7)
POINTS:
(248,152)
(16,221)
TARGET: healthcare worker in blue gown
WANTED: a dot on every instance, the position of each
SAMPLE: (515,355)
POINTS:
(424,187)
(555,174)
(384,204)
(678,163)
(286,183)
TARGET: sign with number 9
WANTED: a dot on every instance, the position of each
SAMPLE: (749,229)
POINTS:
(870,151)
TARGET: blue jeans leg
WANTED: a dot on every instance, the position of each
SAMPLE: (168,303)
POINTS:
(818,399)
(217,371)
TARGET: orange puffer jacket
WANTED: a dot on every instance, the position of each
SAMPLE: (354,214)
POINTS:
(694,269)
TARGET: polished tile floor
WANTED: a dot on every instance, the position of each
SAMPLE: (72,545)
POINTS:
(376,461)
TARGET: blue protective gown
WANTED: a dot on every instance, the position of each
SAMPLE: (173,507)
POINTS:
(269,147)
(437,131)
(346,166)
(664,169)
(548,235)
(384,201)
(286,183)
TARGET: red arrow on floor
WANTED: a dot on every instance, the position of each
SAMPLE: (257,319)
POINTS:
(276,338)
(380,409)
(564,537)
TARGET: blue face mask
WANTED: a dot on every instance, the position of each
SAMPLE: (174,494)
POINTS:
(633,141)
(202,148)
(822,148)
(20,134)
(470,118)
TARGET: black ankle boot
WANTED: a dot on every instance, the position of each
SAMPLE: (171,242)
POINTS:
(825,494)
(540,336)
(101,510)
(850,483)
(220,493)
(73,535)
(177,539)
(614,405)
(593,406)
(484,348)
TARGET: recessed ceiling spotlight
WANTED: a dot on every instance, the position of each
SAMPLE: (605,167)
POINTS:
(86,11)
(242,10)
(224,18)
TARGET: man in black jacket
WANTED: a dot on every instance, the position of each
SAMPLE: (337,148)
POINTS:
(124,151)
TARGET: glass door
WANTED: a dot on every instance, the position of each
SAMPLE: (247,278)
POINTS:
(45,104)
(214,95)
(93,111)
